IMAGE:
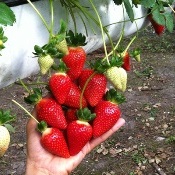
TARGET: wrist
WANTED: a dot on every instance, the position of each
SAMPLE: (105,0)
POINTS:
(31,168)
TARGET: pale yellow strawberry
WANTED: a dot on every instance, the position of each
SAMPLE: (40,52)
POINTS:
(123,78)
(113,75)
(4,140)
(45,62)
(62,47)
(118,77)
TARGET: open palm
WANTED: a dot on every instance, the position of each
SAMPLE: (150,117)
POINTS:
(47,163)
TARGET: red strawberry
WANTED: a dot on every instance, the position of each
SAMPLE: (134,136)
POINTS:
(107,113)
(71,115)
(60,84)
(75,61)
(95,88)
(47,109)
(79,132)
(159,29)
(50,111)
(53,141)
(73,98)
(126,62)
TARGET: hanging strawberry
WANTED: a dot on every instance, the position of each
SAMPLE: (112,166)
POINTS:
(76,57)
(158,28)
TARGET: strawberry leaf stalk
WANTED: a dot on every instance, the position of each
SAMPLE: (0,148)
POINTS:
(5,127)
(107,113)
(47,109)
(79,132)
(60,83)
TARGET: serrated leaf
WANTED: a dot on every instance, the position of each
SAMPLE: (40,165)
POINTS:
(118,2)
(7,16)
(148,3)
(129,10)
(158,17)
(10,128)
(169,18)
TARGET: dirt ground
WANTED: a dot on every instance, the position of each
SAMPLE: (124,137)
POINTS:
(146,144)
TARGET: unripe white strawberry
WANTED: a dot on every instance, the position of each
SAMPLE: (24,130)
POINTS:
(45,63)
(118,77)
(123,78)
(62,47)
(4,140)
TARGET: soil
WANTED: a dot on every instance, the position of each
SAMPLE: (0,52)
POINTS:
(145,145)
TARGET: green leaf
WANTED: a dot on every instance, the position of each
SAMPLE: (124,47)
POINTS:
(158,17)
(129,9)
(148,3)
(7,17)
(169,18)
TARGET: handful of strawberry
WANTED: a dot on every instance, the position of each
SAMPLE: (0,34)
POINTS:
(79,107)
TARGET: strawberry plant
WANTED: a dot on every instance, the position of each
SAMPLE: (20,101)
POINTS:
(80,105)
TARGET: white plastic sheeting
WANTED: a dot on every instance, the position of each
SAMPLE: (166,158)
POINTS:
(17,60)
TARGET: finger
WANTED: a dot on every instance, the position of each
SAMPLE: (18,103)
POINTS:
(31,124)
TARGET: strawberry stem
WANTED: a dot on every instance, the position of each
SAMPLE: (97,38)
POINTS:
(31,84)
(116,46)
(171,8)
(52,18)
(102,31)
(43,20)
(129,45)
(25,87)
(84,87)
(25,110)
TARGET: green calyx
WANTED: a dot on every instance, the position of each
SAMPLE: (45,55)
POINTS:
(116,60)
(34,97)
(61,67)
(136,54)
(101,65)
(77,39)
(47,49)
(85,115)
(42,126)
(115,96)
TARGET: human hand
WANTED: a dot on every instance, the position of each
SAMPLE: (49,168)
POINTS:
(41,162)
